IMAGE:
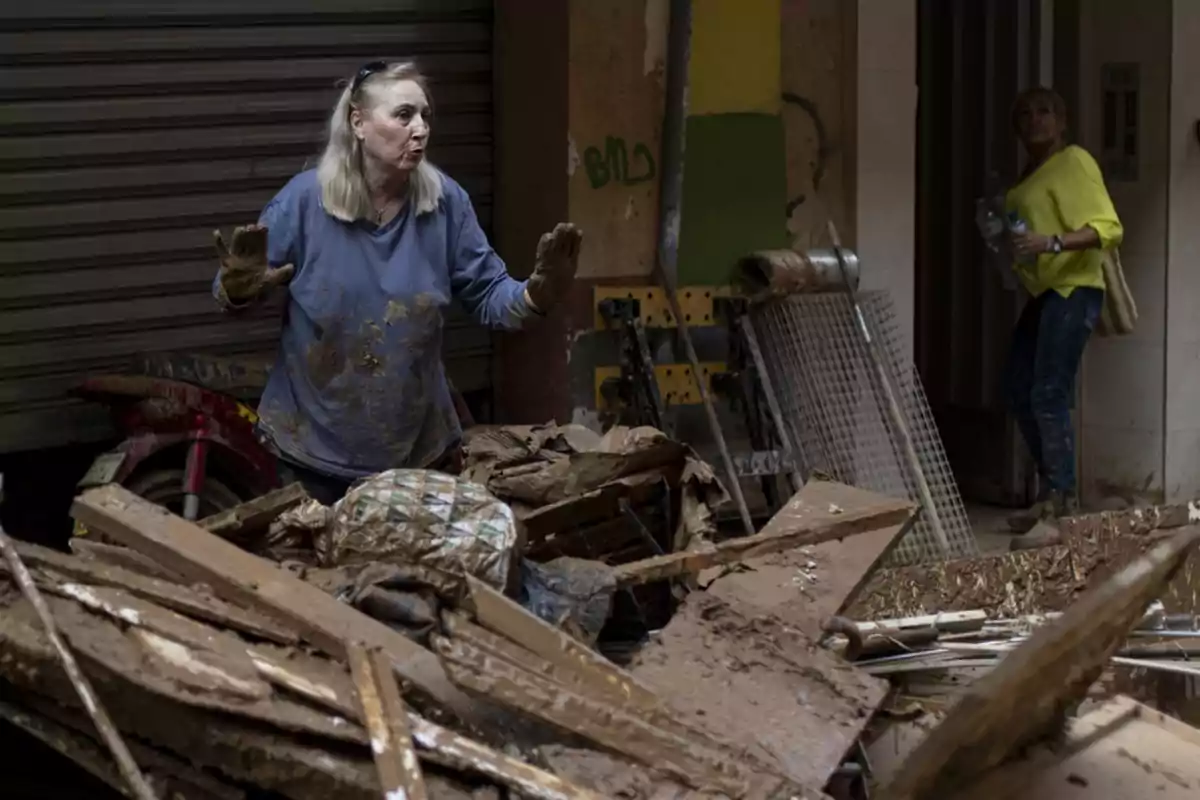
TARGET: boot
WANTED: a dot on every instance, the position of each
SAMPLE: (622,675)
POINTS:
(1052,506)
(1043,534)
(1043,508)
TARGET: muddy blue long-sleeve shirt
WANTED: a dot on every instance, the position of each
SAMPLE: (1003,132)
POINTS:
(359,385)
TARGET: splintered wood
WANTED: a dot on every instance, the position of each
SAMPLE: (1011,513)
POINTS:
(502,616)
(386,720)
(688,761)
(224,667)
(243,578)
(1027,695)
(1093,548)
(255,515)
(782,533)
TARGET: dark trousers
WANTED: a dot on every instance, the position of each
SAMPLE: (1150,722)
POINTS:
(328,489)
(325,489)
(1047,346)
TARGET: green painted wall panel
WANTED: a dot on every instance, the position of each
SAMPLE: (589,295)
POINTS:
(734,194)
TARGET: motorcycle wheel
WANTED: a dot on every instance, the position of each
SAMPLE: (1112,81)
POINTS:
(164,487)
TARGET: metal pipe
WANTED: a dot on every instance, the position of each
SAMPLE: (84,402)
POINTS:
(679,49)
(674,137)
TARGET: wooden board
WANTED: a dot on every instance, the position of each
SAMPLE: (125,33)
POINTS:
(502,616)
(806,586)
(386,719)
(255,516)
(683,758)
(1025,697)
(191,602)
(755,681)
(240,577)
(787,530)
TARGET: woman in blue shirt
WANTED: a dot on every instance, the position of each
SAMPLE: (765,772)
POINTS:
(373,245)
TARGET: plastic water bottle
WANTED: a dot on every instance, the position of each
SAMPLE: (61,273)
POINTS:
(1018,226)
(990,224)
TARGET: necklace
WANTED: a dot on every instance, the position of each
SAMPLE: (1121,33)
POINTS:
(385,211)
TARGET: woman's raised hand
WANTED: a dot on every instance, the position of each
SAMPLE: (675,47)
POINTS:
(245,273)
(554,269)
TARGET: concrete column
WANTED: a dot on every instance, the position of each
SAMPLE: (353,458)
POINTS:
(1123,425)
(1182,448)
(885,151)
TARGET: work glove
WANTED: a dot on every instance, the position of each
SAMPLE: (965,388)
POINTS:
(245,273)
(554,269)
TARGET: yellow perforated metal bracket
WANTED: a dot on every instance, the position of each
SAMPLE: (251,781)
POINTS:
(675,383)
(695,303)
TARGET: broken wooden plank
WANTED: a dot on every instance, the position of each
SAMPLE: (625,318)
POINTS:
(131,773)
(332,689)
(386,720)
(761,683)
(245,752)
(185,600)
(682,758)
(1024,697)
(806,586)
(782,535)
(460,629)
(502,616)
(255,516)
(183,667)
(123,557)
(243,578)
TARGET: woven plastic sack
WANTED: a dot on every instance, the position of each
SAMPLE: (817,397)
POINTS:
(437,522)
(570,593)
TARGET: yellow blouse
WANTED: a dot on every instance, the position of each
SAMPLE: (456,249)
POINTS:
(1061,196)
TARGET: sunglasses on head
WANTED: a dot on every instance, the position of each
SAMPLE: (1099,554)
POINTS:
(366,71)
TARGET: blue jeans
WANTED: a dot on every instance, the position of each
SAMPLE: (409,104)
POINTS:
(1047,346)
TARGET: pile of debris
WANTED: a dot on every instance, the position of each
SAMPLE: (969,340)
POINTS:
(439,636)
(226,672)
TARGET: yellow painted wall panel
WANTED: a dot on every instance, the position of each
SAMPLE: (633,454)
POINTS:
(735,57)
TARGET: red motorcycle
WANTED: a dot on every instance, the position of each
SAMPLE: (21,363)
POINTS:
(188,432)
(189,442)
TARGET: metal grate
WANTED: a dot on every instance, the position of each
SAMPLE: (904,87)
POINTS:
(820,366)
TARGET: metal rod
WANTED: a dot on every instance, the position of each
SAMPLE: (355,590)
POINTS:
(91,703)
(760,366)
(896,415)
(710,410)
(674,138)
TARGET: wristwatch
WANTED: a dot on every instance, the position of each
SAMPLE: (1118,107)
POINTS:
(1056,244)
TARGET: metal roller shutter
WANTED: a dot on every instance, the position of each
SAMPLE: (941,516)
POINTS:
(129,130)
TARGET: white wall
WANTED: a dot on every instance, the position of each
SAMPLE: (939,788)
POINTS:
(1123,416)
(1182,457)
(885,183)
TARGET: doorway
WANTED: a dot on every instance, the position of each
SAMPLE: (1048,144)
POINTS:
(973,59)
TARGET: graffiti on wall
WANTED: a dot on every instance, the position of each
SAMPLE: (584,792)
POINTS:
(824,150)
(613,164)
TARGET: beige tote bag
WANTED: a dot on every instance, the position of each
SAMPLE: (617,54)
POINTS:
(1119,315)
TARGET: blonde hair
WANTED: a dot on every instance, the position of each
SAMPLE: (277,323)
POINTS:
(344,192)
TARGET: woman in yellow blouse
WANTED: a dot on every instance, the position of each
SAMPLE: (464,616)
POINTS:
(1068,222)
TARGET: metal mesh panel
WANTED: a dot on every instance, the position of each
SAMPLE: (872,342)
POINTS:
(820,366)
